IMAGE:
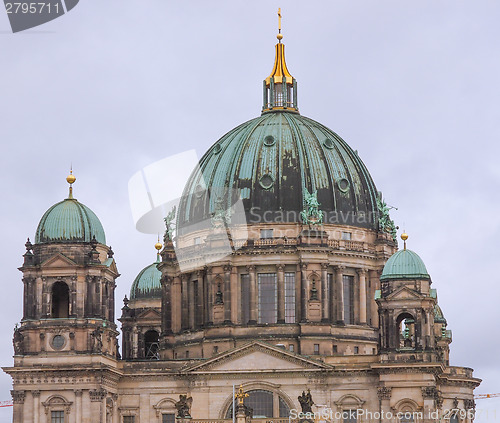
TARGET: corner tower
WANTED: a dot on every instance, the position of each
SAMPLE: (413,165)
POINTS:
(67,335)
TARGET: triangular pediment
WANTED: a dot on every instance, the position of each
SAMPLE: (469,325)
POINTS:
(149,313)
(58,261)
(405,293)
(257,357)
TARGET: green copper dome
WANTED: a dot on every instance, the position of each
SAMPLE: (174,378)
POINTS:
(404,264)
(69,221)
(272,163)
(147,284)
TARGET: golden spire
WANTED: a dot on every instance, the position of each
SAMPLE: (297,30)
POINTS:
(71,180)
(280,71)
(404,237)
(280,35)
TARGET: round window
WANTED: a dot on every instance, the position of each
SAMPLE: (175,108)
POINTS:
(58,342)
(266,181)
(343,184)
(328,143)
(217,149)
(269,141)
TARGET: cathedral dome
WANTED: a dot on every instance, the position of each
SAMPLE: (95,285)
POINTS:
(69,221)
(272,163)
(147,284)
(404,264)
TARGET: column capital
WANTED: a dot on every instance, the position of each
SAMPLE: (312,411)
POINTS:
(280,267)
(78,392)
(303,266)
(325,266)
(36,393)
(250,268)
(362,271)
(384,393)
(227,268)
(18,396)
(339,268)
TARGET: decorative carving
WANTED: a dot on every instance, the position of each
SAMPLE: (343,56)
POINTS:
(97,394)
(455,403)
(18,341)
(219,297)
(78,392)
(221,216)
(183,407)
(18,396)
(469,404)
(384,393)
(314,291)
(96,340)
(430,392)
(111,253)
(306,401)
(311,215)
(36,394)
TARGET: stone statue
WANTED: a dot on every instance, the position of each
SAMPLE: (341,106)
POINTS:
(221,216)
(96,340)
(18,341)
(385,223)
(169,223)
(306,402)
(183,406)
(311,215)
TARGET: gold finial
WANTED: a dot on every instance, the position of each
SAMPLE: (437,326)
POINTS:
(240,395)
(280,35)
(404,237)
(158,245)
(71,180)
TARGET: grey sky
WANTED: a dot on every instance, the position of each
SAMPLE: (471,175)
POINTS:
(116,85)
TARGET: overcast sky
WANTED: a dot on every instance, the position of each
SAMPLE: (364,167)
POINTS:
(116,85)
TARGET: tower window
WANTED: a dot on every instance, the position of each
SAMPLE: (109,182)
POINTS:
(356,350)
(168,418)
(60,300)
(346,236)
(268,312)
(151,344)
(335,349)
(266,233)
(348,282)
(128,419)
(291,347)
(245,298)
(57,417)
(289,297)
(316,349)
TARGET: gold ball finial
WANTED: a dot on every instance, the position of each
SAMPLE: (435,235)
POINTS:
(279,36)
(404,236)
(71,178)
(158,246)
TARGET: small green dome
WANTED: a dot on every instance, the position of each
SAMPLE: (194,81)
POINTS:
(404,264)
(147,284)
(69,221)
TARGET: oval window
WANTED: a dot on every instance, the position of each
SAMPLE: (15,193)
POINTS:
(217,149)
(343,184)
(269,141)
(58,342)
(266,181)
(328,143)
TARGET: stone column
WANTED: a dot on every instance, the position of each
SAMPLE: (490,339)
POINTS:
(78,406)
(184,302)
(362,296)
(210,297)
(18,400)
(384,396)
(253,294)
(135,343)
(36,406)
(325,300)
(281,293)
(375,284)
(201,303)
(98,408)
(191,304)
(176,304)
(166,300)
(235,309)
(340,293)
(227,293)
(303,292)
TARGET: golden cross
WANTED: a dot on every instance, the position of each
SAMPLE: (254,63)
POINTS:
(241,395)
(279,19)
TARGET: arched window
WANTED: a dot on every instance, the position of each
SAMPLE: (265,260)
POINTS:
(151,344)
(60,300)
(406,331)
(264,404)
